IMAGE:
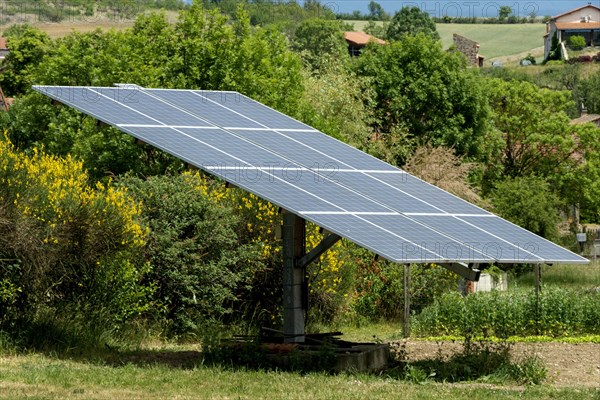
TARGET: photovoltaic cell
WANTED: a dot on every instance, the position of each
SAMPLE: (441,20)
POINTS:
(296,167)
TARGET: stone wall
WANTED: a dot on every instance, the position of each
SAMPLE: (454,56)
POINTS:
(468,47)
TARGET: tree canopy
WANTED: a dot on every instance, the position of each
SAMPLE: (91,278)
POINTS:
(411,21)
(319,41)
(426,91)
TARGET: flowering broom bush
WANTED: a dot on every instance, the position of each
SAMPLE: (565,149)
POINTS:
(65,245)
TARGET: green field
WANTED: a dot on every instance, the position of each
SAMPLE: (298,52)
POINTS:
(495,40)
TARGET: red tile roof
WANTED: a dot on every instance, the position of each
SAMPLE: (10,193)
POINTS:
(575,10)
(361,38)
(577,25)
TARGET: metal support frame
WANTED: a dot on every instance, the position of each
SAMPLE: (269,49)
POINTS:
(295,284)
(294,235)
(537,277)
(406,316)
(319,249)
(469,271)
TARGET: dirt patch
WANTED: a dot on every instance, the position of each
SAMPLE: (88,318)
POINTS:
(574,365)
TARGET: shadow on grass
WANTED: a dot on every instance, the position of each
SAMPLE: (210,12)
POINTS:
(176,359)
(475,360)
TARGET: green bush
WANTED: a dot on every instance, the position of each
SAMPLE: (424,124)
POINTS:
(380,288)
(193,250)
(577,42)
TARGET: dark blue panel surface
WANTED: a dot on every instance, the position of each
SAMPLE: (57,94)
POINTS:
(484,242)
(336,186)
(530,245)
(445,247)
(193,103)
(105,108)
(255,111)
(429,195)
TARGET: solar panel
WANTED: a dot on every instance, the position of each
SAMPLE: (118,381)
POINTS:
(315,176)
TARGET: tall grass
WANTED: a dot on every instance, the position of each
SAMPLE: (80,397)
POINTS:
(559,312)
(565,276)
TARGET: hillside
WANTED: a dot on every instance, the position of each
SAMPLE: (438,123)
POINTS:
(497,41)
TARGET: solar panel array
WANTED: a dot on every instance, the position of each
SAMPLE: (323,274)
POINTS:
(315,176)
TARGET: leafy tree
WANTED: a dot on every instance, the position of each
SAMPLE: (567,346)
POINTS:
(579,183)
(534,137)
(376,12)
(411,21)
(504,12)
(210,53)
(532,127)
(589,90)
(28,45)
(528,202)
(555,52)
(203,50)
(333,103)
(426,92)
(375,29)
(316,9)
(320,41)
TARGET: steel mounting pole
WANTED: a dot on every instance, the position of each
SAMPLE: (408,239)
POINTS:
(294,307)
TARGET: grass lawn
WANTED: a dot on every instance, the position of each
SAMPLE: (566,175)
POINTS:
(42,377)
(495,40)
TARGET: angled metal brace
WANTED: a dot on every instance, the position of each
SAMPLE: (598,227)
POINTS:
(319,249)
(464,270)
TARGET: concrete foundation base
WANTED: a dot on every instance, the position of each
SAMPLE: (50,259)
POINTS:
(345,356)
(363,357)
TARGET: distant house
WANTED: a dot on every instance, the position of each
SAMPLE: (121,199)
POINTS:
(583,21)
(3,48)
(470,49)
(358,40)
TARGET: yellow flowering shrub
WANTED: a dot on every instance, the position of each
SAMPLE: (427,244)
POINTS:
(62,239)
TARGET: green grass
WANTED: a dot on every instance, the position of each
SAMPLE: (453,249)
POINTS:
(565,276)
(495,40)
(42,377)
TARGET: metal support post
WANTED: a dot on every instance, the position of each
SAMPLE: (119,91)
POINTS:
(294,233)
(537,277)
(406,322)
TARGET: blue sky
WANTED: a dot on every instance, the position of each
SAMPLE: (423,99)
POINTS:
(466,8)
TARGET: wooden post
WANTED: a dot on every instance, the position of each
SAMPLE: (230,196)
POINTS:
(406,322)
